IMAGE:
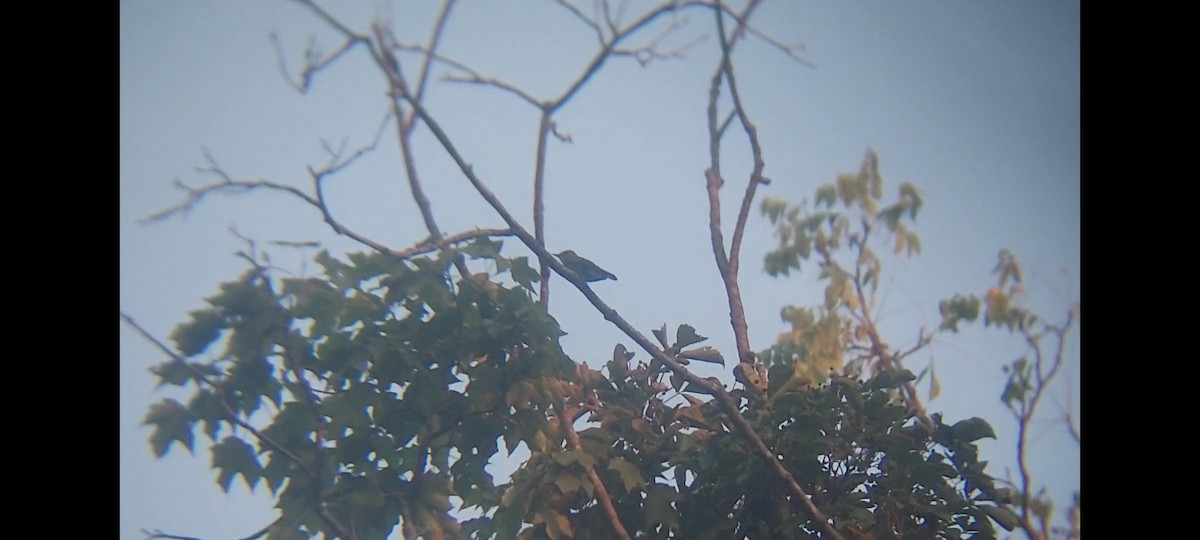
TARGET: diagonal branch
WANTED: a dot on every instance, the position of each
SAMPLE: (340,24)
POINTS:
(728,264)
(156,533)
(397,88)
(423,78)
(233,417)
(226,183)
(730,406)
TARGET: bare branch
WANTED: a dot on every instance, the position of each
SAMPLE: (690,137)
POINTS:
(337,159)
(313,60)
(878,348)
(430,245)
(159,534)
(650,51)
(605,53)
(331,21)
(728,404)
(583,18)
(1043,374)
(619,35)
(793,51)
(488,81)
(225,184)
(470,76)
(398,91)
(423,78)
(608,18)
(539,208)
(255,536)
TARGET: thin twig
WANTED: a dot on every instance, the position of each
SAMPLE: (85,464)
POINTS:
(607,47)
(583,18)
(728,264)
(650,51)
(423,77)
(496,83)
(398,89)
(727,402)
(1042,376)
(255,536)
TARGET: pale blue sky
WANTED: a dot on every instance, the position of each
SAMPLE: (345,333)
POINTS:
(977,103)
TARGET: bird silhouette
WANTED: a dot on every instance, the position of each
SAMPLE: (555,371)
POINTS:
(585,268)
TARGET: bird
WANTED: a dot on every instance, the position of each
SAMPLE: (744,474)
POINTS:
(585,268)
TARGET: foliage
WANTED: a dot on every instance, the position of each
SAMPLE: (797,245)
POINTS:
(375,395)
(392,391)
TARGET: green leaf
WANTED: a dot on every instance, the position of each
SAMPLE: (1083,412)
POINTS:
(958,308)
(661,334)
(890,378)
(826,194)
(973,429)
(369,265)
(178,373)
(524,274)
(172,422)
(772,208)
(686,335)
(1002,515)
(483,248)
(233,456)
(575,456)
(658,507)
(192,337)
(569,483)
(629,473)
(704,354)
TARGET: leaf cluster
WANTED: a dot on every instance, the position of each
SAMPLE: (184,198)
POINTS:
(384,390)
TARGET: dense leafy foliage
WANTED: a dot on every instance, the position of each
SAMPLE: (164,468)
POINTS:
(376,395)
(385,391)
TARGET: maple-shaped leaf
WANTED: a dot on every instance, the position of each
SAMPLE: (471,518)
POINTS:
(233,456)
(629,473)
(522,273)
(483,247)
(658,507)
(192,337)
(172,422)
(686,335)
(973,429)
(704,354)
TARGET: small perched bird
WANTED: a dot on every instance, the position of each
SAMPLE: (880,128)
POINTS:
(585,268)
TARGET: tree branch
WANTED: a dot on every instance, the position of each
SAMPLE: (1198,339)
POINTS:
(602,496)
(255,536)
(233,417)
(728,404)
(423,78)
(728,264)
(398,88)
(545,127)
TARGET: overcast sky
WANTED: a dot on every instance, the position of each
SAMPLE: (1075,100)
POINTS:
(976,103)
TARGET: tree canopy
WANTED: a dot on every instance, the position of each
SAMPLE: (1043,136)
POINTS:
(371,398)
